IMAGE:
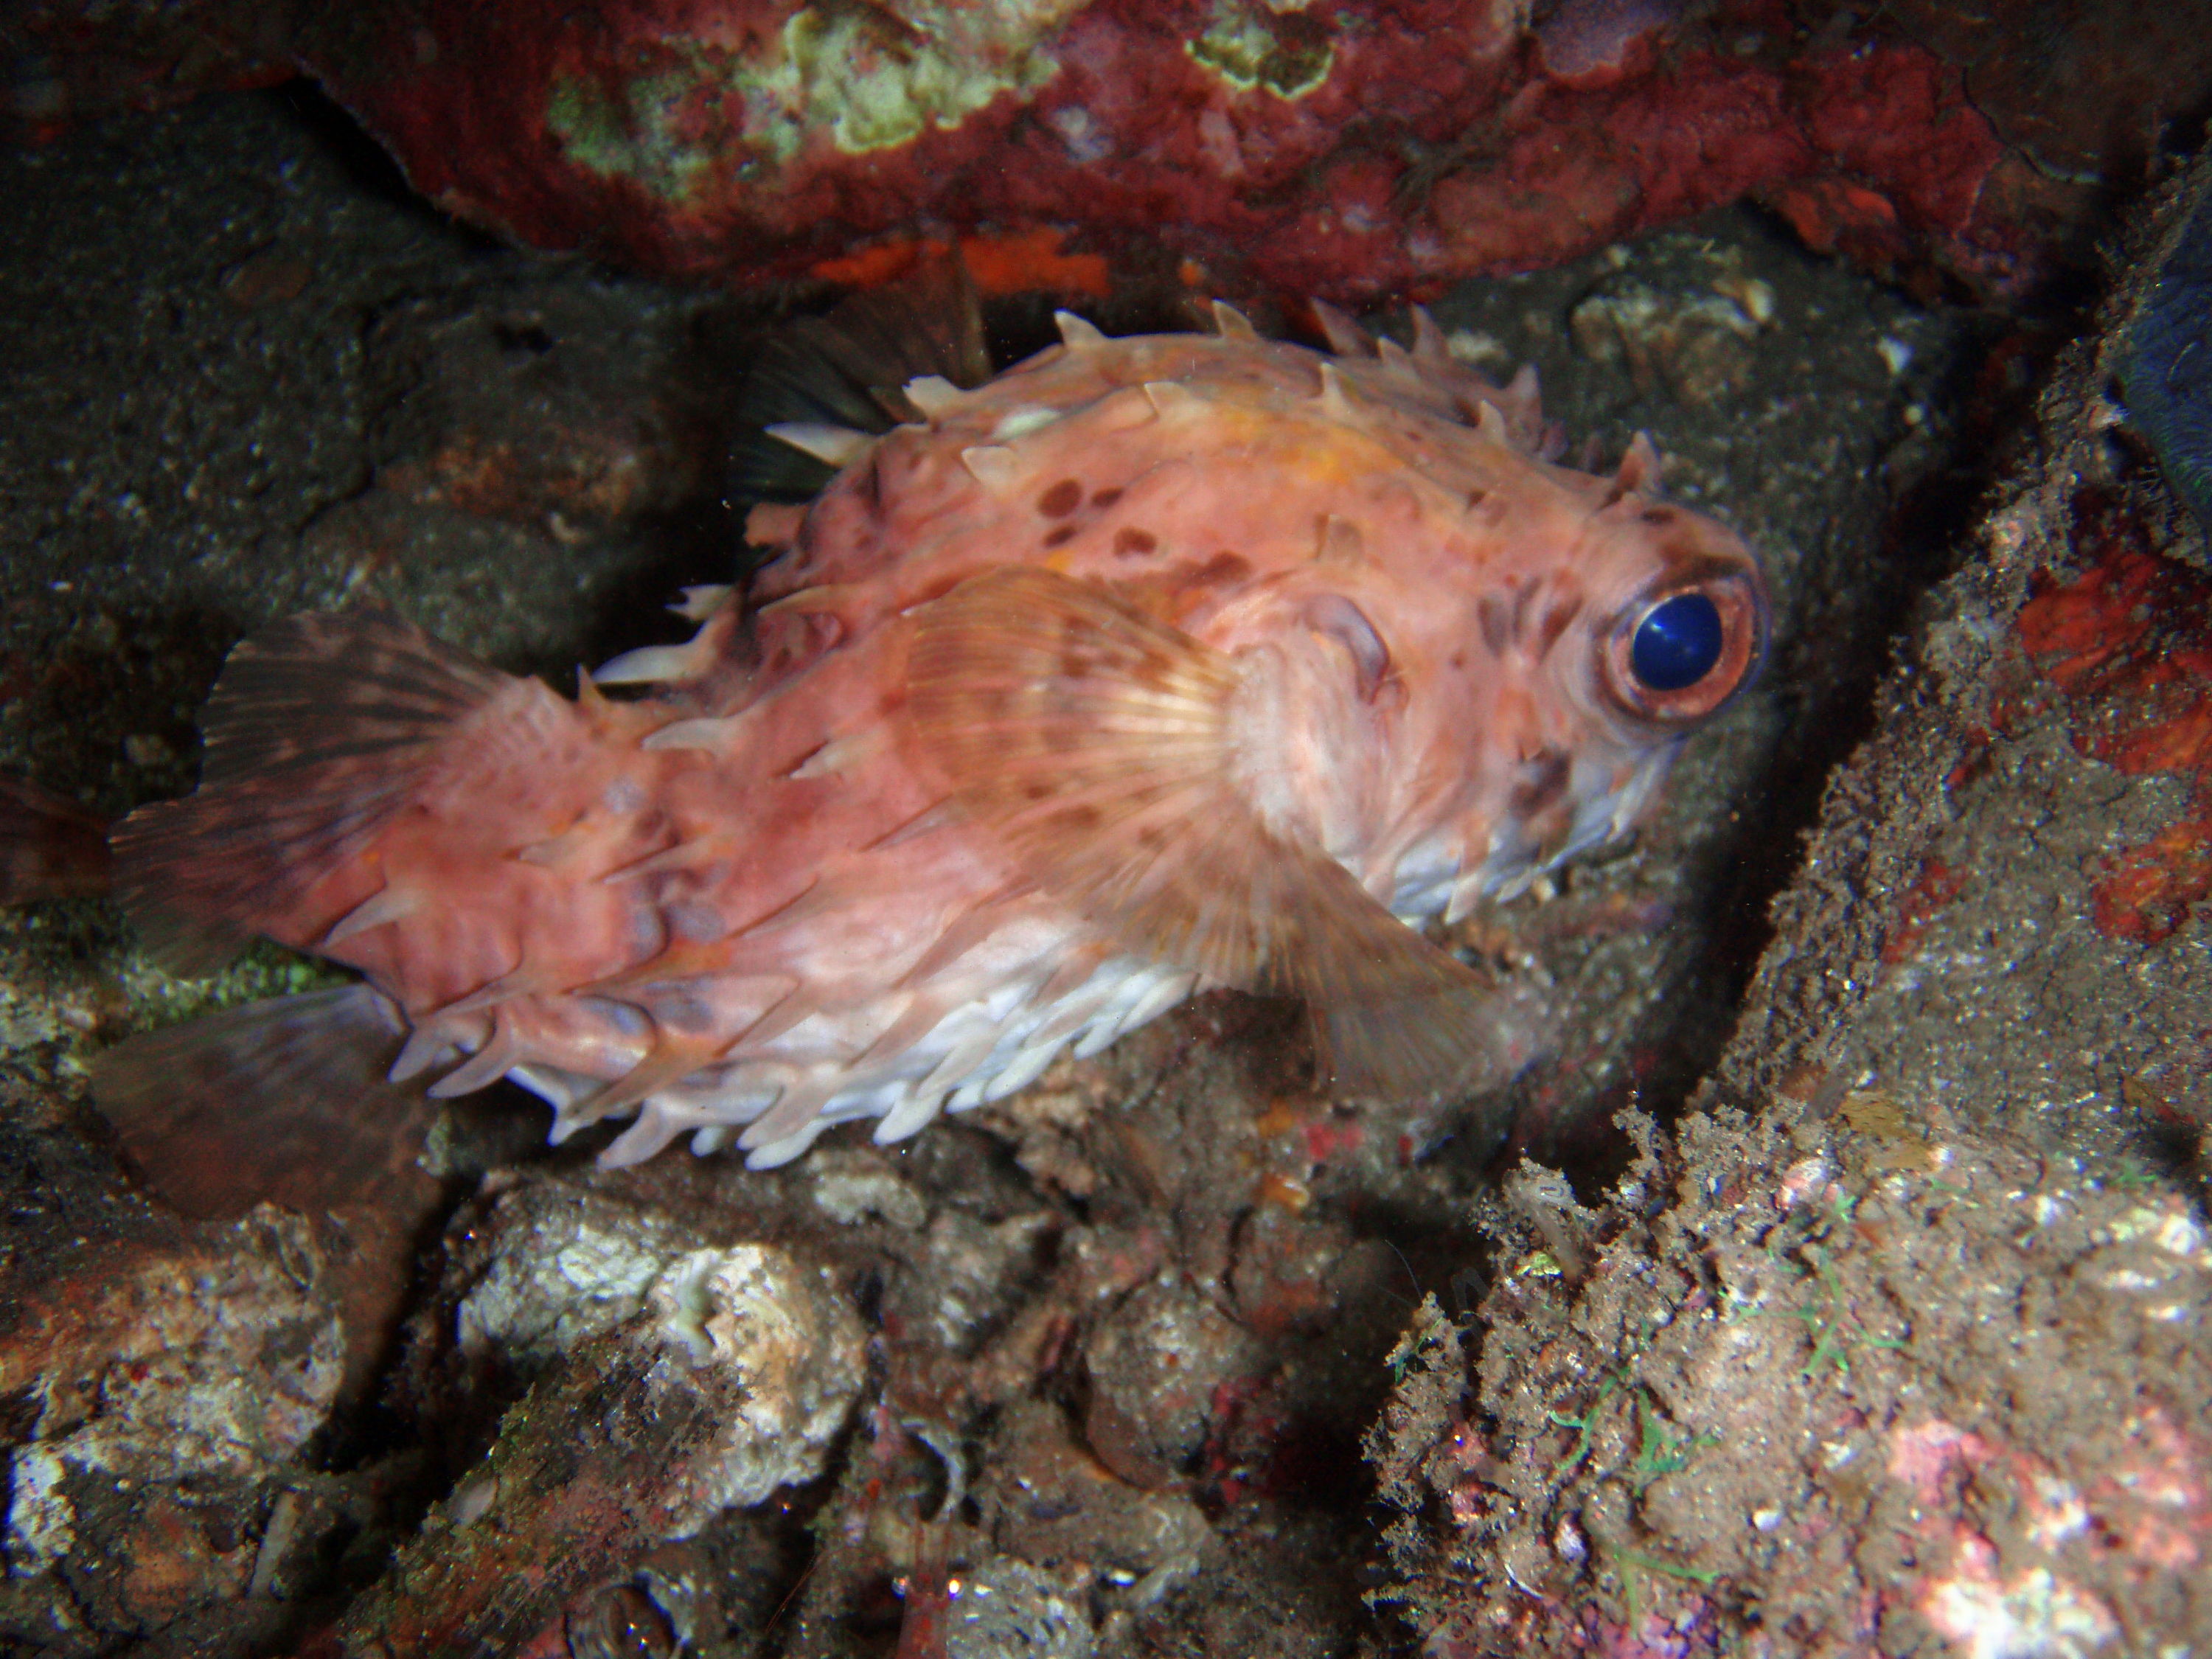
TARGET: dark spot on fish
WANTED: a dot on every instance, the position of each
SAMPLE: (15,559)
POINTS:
(1036,789)
(1557,614)
(1062,499)
(1475,498)
(1689,565)
(1497,620)
(1079,819)
(1543,780)
(1522,598)
(1657,515)
(1135,544)
(679,1011)
(1077,659)
(626,1019)
(1061,537)
(1223,567)
(1106,498)
(695,923)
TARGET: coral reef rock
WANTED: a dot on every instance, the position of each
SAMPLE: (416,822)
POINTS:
(1353,150)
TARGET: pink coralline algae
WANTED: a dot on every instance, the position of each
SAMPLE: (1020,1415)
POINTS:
(2147,1511)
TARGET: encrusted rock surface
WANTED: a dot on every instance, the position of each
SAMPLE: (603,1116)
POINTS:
(675,1379)
(1899,1343)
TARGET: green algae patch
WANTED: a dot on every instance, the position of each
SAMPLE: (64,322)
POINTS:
(853,78)
(1287,54)
(872,91)
(261,970)
(640,130)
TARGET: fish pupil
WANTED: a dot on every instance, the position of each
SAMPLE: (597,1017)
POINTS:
(1677,643)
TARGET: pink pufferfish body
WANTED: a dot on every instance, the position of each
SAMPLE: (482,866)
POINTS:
(1151,664)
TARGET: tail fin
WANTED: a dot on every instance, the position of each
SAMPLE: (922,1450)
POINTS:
(50,847)
(847,369)
(319,730)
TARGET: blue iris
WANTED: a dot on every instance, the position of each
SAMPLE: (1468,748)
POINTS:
(1677,643)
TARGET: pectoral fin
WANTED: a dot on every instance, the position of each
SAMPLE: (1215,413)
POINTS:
(1096,743)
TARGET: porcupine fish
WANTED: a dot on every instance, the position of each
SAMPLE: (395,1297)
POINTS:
(1151,663)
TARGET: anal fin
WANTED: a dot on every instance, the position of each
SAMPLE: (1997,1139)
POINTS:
(285,1100)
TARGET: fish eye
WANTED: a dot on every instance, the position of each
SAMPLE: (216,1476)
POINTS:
(1683,650)
(1677,643)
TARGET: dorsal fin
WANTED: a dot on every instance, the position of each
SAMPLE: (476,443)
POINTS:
(317,732)
(845,369)
(1097,744)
